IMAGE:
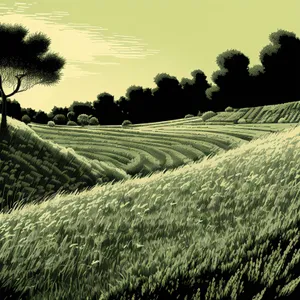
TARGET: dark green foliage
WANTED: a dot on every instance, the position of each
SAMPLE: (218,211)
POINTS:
(219,77)
(51,123)
(167,98)
(193,93)
(58,111)
(83,119)
(232,80)
(81,108)
(41,117)
(26,119)
(25,62)
(281,62)
(232,60)
(30,112)
(107,111)
(60,119)
(71,123)
(93,121)
(71,116)
(13,109)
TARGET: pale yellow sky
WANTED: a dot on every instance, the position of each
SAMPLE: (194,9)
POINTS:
(110,45)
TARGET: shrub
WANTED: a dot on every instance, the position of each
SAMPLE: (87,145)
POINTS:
(71,116)
(51,124)
(199,113)
(126,123)
(189,116)
(83,119)
(229,109)
(207,115)
(60,119)
(242,121)
(282,120)
(93,121)
(71,123)
(26,119)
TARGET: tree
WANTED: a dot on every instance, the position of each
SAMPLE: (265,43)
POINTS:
(194,95)
(167,97)
(93,121)
(58,111)
(136,104)
(30,112)
(106,110)
(60,119)
(82,108)
(83,119)
(24,63)
(281,62)
(232,81)
(41,117)
(71,116)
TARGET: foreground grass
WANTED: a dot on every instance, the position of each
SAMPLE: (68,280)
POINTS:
(225,228)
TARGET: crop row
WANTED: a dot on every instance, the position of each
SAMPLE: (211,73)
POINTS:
(149,149)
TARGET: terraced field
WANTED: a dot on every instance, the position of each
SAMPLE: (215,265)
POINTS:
(144,149)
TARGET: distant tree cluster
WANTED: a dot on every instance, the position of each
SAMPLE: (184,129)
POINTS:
(236,85)
(275,81)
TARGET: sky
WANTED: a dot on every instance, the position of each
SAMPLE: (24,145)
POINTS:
(110,45)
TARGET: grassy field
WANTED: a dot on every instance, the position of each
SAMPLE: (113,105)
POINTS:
(223,228)
(220,222)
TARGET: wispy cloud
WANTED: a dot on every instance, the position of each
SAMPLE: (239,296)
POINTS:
(81,44)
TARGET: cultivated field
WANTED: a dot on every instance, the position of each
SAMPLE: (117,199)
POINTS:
(141,150)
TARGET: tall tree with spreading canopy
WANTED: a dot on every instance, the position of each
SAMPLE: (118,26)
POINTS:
(24,63)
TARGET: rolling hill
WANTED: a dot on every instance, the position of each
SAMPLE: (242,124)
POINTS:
(225,227)
(32,169)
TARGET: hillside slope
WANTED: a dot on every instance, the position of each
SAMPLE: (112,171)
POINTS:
(31,168)
(227,227)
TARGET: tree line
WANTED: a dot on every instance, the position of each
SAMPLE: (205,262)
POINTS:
(235,84)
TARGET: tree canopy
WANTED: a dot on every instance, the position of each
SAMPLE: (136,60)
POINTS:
(25,62)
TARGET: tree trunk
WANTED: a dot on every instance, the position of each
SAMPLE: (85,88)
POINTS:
(3,128)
